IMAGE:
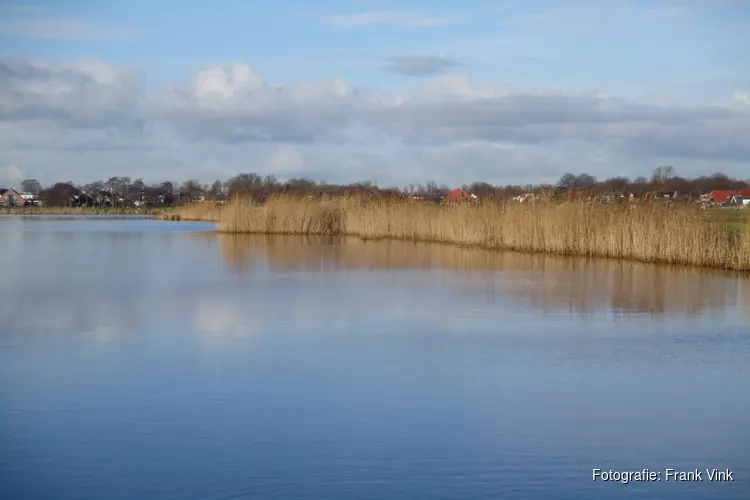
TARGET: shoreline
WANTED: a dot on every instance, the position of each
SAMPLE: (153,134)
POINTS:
(78,211)
(681,236)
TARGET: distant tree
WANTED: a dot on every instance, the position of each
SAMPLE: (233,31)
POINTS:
(163,192)
(567,181)
(59,195)
(216,189)
(31,186)
(617,184)
(118,186)
(585,181)
(167,188)
(244,184)
(270,181)
(191,189)
(482,189)
(662,173)
(94,187)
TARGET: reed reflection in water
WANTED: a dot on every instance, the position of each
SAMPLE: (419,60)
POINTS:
(548,282)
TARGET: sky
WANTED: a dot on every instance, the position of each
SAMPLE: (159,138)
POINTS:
(398,93)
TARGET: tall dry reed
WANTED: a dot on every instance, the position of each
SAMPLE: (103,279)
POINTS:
(649,233)
(200,212)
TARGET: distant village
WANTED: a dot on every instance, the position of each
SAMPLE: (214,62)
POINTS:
(717,190)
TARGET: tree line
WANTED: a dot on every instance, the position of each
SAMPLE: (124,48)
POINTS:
(122,191)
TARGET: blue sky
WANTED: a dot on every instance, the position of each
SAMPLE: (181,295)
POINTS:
(140,62)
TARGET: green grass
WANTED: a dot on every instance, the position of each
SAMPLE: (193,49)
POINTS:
(733,218)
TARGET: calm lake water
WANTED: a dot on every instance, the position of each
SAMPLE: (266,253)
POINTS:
(143,359)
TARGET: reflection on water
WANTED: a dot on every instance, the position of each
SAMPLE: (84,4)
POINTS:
(112,283)
(140,360)
(546,282)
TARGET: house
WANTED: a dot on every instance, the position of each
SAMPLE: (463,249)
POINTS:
(736,201)
(459,195)
(728,197)
(31,199)
(524,198)
(82,200)
(101,198)
(10,198)
(722,195)
(742,198)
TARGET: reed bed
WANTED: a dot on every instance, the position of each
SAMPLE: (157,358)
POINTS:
(197,212)
(680,235)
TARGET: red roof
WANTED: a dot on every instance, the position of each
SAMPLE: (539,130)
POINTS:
(745,193)
(723,195)
(458,195)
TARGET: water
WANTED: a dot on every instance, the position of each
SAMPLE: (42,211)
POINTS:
(156,360)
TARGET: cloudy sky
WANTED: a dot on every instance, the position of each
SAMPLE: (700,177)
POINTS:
(403,92)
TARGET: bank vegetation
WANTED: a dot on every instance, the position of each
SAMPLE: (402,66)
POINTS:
(677,234)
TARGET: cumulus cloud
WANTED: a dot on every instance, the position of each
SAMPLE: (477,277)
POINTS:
(286,161)
(10,175)
(448,128)
(419,65)
(741,98)
(85,94)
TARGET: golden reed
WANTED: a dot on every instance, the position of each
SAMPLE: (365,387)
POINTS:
(198,212)
(680,235)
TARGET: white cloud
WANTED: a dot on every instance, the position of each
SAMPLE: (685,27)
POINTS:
(84,94)
(286,161)
(87,118)
(11,176)
(741,98)
(219,84)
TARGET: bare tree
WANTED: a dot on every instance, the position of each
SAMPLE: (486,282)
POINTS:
(118,186)
(567,181)
(31,186)
(59,195)
(191,189)
(662,174)
(216,189)
(585,181)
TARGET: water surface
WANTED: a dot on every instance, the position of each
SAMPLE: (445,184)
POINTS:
(149,359)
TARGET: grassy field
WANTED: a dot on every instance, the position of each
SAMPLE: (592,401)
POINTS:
(681,235)
(734,218)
